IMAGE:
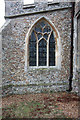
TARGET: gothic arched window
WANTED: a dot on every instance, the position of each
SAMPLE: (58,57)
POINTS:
(42,45)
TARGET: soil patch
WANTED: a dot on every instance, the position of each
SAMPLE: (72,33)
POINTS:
(51,105)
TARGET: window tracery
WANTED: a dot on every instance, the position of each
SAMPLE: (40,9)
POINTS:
(42,45)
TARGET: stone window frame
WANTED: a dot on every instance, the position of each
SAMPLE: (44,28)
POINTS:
(36,33)
(57,46)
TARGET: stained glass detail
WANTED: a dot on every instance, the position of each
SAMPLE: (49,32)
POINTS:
(42,53)
(32,50)
(52,50)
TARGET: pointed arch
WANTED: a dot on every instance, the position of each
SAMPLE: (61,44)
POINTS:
(57,42)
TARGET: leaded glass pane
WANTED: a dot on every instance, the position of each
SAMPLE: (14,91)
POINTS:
(38,28)
(39,35)
(46,36)
(47,29)
(42,23)
(42,53)
(32,50)
(52,50)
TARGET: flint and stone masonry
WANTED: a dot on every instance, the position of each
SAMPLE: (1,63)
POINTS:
(76,52)
(17,76)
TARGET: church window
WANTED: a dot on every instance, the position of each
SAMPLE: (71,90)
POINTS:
(42,45)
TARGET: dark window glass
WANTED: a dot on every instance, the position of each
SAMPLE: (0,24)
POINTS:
(52,50)
(46,36)
(47,29)
(38,28)
(42,53)
(39,35)
(42,23)
(32,50)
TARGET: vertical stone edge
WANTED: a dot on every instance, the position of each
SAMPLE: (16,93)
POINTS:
(0,75)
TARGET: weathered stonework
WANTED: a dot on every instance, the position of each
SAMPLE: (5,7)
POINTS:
(76,60)
(15,79)
(14,8)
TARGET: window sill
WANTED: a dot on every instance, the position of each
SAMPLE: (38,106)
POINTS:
(43,67)
(50,68)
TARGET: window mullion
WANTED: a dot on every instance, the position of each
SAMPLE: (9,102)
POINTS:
(37,53)
(48,48)
(37,49)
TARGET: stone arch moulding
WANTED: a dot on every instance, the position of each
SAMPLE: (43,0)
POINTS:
(58,43)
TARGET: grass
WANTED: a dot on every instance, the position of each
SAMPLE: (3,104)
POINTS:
(50,105)
(29,110)
(24,109)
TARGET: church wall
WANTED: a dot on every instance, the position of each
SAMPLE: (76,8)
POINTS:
(15,78)
(76,60)
(17,7)
(78,72)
